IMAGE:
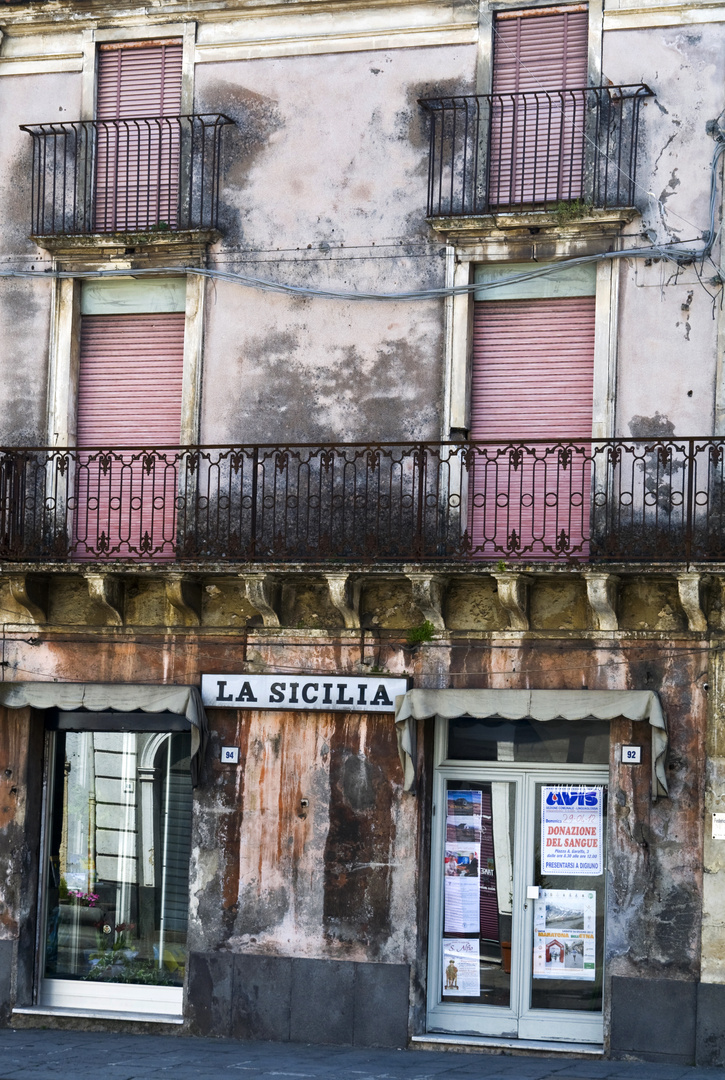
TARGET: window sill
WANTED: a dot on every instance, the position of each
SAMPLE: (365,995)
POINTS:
(97,1014)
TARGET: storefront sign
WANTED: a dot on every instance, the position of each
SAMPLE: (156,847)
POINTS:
(324,692)
(564,935)
(571,831)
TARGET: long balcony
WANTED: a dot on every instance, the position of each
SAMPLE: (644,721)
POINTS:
(150,175)
(576,503)
(504,153)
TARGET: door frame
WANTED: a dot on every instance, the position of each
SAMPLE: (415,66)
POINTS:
(519,1021)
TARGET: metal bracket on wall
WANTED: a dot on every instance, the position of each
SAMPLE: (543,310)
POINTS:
(602,597)
(513,592)
(105,592)
(345,596)
(30,595)
(688,586)
(184,600)
(262,592)
(428,595)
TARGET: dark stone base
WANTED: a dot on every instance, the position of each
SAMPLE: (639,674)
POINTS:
(290,999)
(668,1020)
(710,1045)
(6,967)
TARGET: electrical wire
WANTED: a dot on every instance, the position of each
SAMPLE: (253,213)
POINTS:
(672,252)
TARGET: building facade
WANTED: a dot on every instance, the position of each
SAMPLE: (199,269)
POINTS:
(361,522)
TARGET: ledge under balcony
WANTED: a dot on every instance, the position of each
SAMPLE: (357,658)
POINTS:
(132,186)
(562,159)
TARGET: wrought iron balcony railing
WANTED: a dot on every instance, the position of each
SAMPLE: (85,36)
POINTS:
(660,500)
(495,152)
(150,174)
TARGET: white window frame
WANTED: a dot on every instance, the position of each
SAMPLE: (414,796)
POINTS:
(461,260)
(65,360)
(489,8)
(96,36)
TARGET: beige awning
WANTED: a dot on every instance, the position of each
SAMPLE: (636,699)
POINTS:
(122,697)
(536,704)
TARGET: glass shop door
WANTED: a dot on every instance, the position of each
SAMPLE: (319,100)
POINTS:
(116,875)
(516,945)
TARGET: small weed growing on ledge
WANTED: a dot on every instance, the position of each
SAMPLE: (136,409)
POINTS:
(564,212)
(424,632)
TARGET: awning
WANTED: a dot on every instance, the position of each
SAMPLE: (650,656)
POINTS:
(536,704)
(122,697)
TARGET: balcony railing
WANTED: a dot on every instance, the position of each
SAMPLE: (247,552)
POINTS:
(496,152)
(151,174)
(659,500)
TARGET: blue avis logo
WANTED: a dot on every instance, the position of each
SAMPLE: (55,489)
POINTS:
(571,798)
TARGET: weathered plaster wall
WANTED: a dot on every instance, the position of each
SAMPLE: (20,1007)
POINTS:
(330,879)
(25,305)
(21,749)
(325,186)
(666,369)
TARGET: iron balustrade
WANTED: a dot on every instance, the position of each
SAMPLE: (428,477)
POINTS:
(150,174)
(537,149)
(658,500)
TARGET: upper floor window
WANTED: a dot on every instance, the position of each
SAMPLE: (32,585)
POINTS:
(138,126)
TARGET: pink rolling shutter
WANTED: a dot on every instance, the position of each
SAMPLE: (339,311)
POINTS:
(129,394)
(533,375)
(138,135)
(537,141)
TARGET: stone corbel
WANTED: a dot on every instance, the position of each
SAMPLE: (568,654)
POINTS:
(345,596)
(428,595)
(513,590)
(184,599)
(30,596)
(602,597)
(688,586)
(262,592)
(105,592)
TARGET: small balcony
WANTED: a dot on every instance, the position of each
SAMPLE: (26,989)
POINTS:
(152,175)
(467,504)
(533,151)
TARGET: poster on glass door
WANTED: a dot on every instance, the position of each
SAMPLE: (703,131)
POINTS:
(462,858)
(565,935)
(571,831)
(461,967)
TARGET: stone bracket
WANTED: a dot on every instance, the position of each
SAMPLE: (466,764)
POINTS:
(184,599)
(602,597)
(30,594)
(428,595)
(345,596)
(262,592)
(513,592)
(105,592)
(688,586)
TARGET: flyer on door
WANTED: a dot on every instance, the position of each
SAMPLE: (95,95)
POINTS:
(461,967)
(462,862)
(571,831)
(565,935)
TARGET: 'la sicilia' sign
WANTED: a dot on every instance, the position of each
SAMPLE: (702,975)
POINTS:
(326,692)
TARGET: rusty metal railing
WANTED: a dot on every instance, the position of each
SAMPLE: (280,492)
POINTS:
(660,500)
(149,174)
(490,152)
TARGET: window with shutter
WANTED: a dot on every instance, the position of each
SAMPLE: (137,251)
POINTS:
(532,385)
(129,395)
(538,114)
(138,136)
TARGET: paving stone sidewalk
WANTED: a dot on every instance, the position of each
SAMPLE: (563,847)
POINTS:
(67,1055)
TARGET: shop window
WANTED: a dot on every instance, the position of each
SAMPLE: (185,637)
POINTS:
(116,868)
